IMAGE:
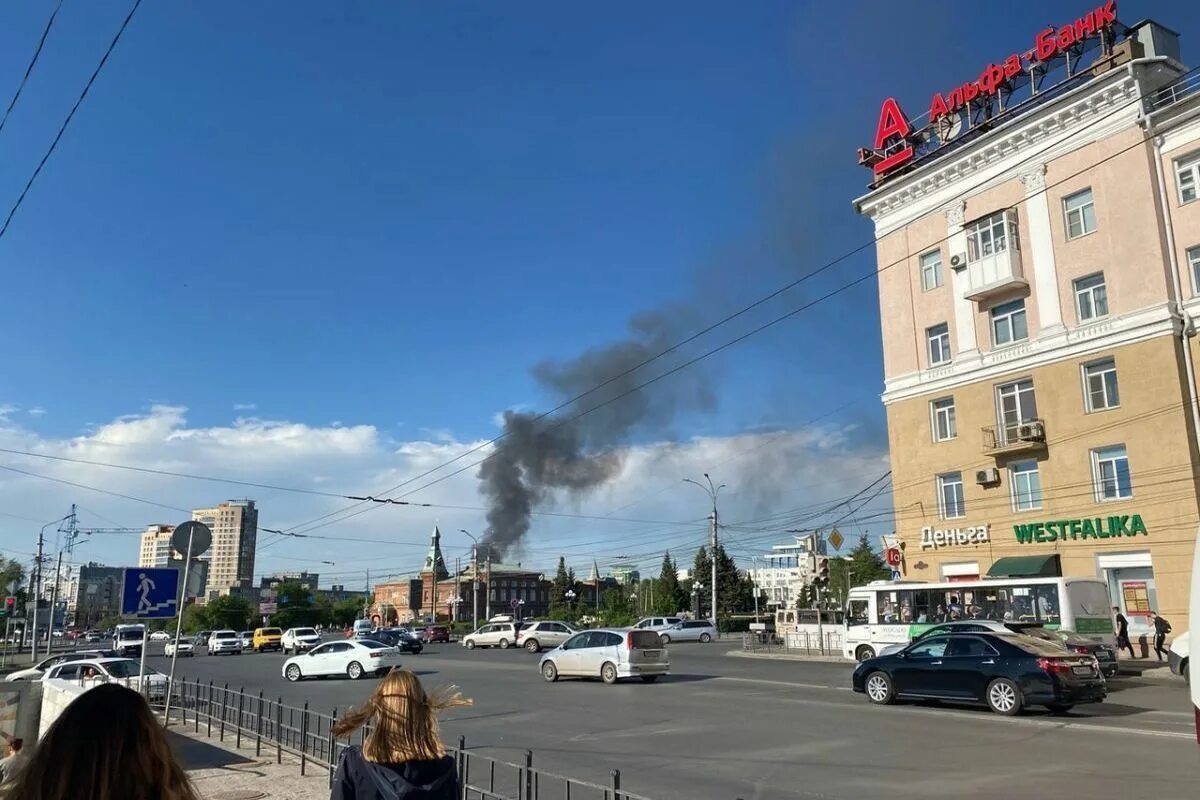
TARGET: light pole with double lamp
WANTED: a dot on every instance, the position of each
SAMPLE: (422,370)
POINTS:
(712,492)
(474,579)
(569,595)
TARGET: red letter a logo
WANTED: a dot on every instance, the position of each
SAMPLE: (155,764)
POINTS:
(892,124)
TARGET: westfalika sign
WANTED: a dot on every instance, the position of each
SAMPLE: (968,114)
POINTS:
(1060,530)
(896,142)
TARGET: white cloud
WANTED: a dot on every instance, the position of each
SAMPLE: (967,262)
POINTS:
(766,472)
(36,411)
(245,406)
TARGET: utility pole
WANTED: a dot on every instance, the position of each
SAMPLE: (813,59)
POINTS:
(68,546)
(712,491)
(37,593)
(474,579)
(487,586)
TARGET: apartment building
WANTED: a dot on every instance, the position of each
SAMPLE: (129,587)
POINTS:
(156,546)
(1038,246)
(234,526)
(787,569)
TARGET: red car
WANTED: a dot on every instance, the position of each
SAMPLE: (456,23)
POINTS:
(437,633)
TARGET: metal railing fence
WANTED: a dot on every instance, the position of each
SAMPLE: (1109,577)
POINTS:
(807,643)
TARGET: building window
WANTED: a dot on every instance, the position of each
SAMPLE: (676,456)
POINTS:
(939,344)
(1110,468)
(951,503)
(1100,384)
(1091,297)
(987,236)
(944,425)
(1018,405)
(1009,323)
(1193,257)
(1187,177)
(1026,485)
(1080,211)
(931,270)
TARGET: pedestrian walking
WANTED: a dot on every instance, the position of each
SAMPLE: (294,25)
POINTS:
(106,745)
(1161,629)
(1123,642)
(403,757)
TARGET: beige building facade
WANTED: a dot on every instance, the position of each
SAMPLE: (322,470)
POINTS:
(234,526)
(1038,288)
(156,546)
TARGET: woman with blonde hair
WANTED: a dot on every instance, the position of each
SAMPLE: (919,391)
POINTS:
(402,758)
(106,745)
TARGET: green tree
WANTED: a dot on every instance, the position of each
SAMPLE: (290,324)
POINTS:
(344,612)
(668,595)
(615,609)
(229,611)
(558,591)
(11,572)
(733,591)
(863,566)
(296,607)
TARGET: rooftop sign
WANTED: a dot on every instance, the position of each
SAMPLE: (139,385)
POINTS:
(979,101)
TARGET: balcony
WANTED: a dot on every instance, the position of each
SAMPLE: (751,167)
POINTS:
(995,274)
(1024,437)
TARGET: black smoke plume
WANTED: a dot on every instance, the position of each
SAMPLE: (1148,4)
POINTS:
(537,457)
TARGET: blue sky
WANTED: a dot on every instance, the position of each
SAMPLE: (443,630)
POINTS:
(384,214)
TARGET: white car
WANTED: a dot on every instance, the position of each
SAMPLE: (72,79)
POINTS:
(160,636)
(353,658)
(38,670)
(299,640)
(1178,657)
(180,647)
(657,624)
(125,671)
(224,642)
(608,655)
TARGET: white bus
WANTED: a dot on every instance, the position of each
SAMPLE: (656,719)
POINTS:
(893,612)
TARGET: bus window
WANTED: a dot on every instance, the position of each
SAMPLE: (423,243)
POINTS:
(1047,604)
(888,612)
(857,613)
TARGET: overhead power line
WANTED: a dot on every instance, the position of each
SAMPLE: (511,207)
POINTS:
(70,115)
(32,63)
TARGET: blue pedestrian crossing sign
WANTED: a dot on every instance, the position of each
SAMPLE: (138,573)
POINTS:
(150,593)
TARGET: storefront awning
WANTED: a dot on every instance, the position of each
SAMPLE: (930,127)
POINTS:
(1026,567)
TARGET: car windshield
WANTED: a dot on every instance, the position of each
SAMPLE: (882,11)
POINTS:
(224,635)
(1037,647)
(270,632)
(645,639)
(305,632)
(121,669)
(371,644)
(126,635)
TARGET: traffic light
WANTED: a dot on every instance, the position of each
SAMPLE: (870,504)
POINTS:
(823,570)
(10,606)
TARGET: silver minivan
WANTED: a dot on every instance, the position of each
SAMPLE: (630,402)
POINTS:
(538,636)
(608,655)
(494,634)
(657,623)
(699,630)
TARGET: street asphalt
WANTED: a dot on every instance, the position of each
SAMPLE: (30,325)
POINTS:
(722,727)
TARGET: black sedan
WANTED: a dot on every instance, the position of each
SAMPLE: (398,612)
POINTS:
(1005,671)
(1105,654)
(402,640)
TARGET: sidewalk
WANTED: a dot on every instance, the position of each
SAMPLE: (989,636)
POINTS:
(1147,668)
(781,655)
(219,771)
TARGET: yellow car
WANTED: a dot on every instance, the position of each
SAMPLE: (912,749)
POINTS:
(267,639)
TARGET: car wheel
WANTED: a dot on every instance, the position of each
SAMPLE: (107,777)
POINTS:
(533,646)
(665,639)
(470,644)
(879,688)
(550,672)
(704,637)
(864,653)
(1185,670)
(355,670)
(649,678)
(1060,708)
(1004,697)
(293,673)
(608,672)
(504,644)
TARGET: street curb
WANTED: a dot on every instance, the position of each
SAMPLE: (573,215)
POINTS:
(1162,674)
(789,657)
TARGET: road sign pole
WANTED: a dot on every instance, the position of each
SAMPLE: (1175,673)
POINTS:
(142,669)
(183,593)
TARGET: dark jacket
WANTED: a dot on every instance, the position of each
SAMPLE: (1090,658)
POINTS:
(1161,626)
(359,779)
(1122,627)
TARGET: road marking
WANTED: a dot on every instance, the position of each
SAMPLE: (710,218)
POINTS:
(789,684)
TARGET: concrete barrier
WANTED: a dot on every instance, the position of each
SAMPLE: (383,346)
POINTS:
(56,696)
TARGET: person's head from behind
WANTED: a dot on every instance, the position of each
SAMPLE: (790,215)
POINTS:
(403,718)
(106,745)
(15,745)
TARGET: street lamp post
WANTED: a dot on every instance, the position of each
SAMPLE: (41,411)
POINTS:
(520,610)
(474,579)
(453,605)
(697,587)
(570,596)
(633,598)
(712,492)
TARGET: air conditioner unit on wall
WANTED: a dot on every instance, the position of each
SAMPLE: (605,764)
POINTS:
(1031,432)
(987,477)
(958,261)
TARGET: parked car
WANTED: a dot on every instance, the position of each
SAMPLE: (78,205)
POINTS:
(180,647)
(1005,671)
(400,639)
(1106,655)
(419,632)
(964,626)
(160,636)
(657,624)
(202,638)
(692,630)
(39,669)
(353,658)
(227,642)
(125,671)
(299,640)
(437,633)
(494,634)
(1179,656)
(267,639)
(537,636)
(608,655)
